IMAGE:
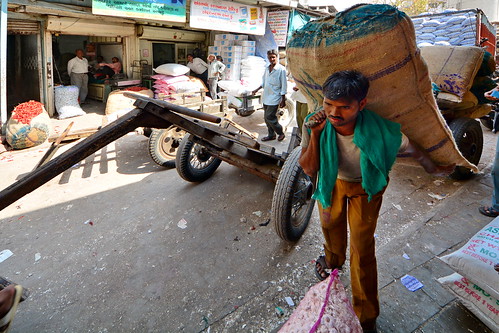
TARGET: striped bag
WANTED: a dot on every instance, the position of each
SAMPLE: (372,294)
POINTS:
(379,41)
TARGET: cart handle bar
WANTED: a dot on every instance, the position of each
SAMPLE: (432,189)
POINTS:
(172,107)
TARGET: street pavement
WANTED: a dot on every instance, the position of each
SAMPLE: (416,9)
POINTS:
(119,244)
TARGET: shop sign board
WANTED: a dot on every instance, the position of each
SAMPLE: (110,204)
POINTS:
(162,10)
(278,22)
(227,16)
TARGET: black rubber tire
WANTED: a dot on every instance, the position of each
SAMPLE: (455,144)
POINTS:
(193,162)
(488,120)
(163,144)
(469,139)
(292,202)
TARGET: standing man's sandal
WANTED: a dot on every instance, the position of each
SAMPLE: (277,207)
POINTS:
(6,320)
(268,138)
(280,137)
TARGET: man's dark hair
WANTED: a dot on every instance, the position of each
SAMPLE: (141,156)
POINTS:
(190,54)
(350,85)
(273,51)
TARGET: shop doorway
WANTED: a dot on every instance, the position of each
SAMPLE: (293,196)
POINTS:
(64,47)
(23,69)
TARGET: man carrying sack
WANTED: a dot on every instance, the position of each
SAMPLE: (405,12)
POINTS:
(351,150)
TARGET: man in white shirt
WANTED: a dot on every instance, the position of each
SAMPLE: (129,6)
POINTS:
(198,67)
(274,85)
(215,71)
(78,72)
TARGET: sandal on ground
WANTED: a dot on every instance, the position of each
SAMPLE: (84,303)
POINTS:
(268,138)
(320,268)
(280,137)
(488,211)
(7,320)
(4,283)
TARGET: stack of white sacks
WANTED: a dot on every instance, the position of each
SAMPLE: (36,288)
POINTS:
(446,29)
(232,48)
(476,282)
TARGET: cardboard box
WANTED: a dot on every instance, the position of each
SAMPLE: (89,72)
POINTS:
(225,37)
(240,37)
(246,43)
(223,42)
(212,49)
(233,72)
(247,49)
(232,55)
(232,48)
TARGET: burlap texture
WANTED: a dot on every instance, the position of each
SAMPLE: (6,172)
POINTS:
(116,102)
(21,136)
(379,41)
(453,68)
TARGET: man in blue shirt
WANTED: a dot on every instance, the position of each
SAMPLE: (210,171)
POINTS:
(274,86)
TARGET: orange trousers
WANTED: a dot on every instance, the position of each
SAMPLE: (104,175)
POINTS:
(349,205)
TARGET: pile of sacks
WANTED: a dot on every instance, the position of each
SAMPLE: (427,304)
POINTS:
(167,84)
(476,281)
(444,29)
(252,70)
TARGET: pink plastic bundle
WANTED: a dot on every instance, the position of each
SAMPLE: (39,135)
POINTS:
(325,308)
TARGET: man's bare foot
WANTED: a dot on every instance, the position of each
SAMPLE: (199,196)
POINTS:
(6,301)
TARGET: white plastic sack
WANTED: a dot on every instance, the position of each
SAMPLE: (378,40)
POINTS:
(172,69)
(66,102)
(476,259)
(485,307)
(325,308)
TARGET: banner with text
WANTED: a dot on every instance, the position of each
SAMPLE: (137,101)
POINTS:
(278,21)
(162,10)
(228,16)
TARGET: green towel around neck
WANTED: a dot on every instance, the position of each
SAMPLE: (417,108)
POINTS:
(379,141)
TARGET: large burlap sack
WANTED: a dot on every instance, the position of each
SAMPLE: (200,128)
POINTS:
(476,259)
(453,68)
(28,126)
(379,41)
(477,300)
(118,103)
(325,308)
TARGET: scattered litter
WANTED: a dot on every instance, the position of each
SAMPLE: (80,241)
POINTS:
(437,196)
(182,224)
(68,207)
(236,239)
(279,311)
(289,300)
(397,206)
(5,254)
(38,256)
(411,283)
(264,224)
(456,183)
(257,213)
(406,256)
(77,165)
(279,288)
(244,326)
(242,219)
(252,227)
(438,182)
(149,231)
(18,206)
(376,236)
(88,222)
(475,192)
(430,203)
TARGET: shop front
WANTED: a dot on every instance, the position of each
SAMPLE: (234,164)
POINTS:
(100,42)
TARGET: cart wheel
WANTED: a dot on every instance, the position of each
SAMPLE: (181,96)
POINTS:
(287,114)
(488,120)
(194,163)
(292,202)
(469,139)
(163,144)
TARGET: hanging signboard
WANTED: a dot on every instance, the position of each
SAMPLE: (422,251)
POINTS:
(278,22)
(227,16)
(162,10)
